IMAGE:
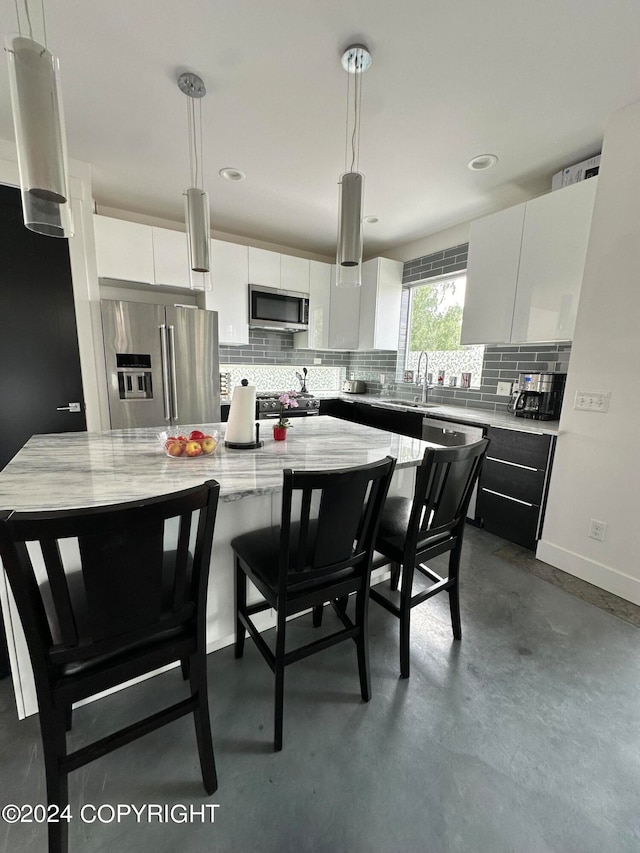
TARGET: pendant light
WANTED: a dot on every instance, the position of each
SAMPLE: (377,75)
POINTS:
(355,61)
(196,199)
(36,103)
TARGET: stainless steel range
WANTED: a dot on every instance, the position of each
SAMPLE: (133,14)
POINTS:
(267,406)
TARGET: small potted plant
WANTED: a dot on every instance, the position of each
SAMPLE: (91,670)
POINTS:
(287,400)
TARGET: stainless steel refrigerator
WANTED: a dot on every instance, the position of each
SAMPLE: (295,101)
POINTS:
(162,364)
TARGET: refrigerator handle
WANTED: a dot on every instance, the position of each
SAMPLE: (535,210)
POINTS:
(174,384)
(165,372)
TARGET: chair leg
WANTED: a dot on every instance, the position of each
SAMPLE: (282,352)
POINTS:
(454,595)
(68,718)
(341,603)
(279,673)
(395,576)
(184,666)
(198,683)
(362,643)
(54,743)
(405,618)
(317,615)
(241,606)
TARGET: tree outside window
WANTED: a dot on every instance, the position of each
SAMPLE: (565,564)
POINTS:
(435,325)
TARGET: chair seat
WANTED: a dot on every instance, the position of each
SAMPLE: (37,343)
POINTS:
(260,550)
(394,524)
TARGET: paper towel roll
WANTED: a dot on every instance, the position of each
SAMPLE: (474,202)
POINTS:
(242,415)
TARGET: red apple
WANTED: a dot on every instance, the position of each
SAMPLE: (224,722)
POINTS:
(196,435)
(173,447)
(193,448)
(208,444)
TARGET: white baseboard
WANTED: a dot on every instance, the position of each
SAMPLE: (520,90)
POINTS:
(598,574)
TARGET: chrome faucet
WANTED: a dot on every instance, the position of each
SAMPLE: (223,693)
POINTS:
(425,386)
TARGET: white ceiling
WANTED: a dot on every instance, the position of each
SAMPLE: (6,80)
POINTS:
(531,82)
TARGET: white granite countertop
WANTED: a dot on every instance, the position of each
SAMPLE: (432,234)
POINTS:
(459,414)
(72,469)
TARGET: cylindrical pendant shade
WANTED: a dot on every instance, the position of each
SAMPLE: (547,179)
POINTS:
(40,137)
(198,237)
(349,276)
(350,224)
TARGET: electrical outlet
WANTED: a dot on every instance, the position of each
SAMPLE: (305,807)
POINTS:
(597,529)
(504,389)
(592,401)
(317,361)
(383,379)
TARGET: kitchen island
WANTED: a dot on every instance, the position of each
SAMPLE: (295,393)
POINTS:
(68,470)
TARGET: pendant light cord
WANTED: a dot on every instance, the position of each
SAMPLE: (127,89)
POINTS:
(30,23)
(195,136)
(355,133)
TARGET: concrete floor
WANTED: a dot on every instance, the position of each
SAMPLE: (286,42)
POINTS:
(523,737)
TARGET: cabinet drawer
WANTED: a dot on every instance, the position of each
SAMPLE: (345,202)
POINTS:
(506,517)
(525,484)
(521,448)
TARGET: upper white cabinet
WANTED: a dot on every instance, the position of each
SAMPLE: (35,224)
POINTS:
(129,251)
(354,318)
(264,267)
(317,336)
(284,272)
(294,273)
(124,250)
(525,269)
(554,248)
(492,274)
(229,295)
(380,297)
(170,257)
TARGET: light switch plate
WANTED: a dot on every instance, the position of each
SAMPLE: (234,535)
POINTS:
(504,389)
(592,401)
(317,361)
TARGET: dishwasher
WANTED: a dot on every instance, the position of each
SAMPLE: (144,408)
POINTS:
(451,434)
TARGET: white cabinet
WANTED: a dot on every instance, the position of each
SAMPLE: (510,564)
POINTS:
(317,336)
(124,250)
(380,297)
(264,267)
(272,269)
(554,248)
(170,258)
(492,274)
(344,315)
(230,293)
(294,273)
(525,269)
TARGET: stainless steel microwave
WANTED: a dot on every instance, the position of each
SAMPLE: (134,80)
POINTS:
(271,308)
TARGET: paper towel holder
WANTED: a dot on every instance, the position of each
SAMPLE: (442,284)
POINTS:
(251,445)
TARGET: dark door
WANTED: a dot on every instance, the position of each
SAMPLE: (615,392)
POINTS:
(39,359)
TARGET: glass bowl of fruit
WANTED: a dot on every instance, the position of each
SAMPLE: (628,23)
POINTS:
(196,444)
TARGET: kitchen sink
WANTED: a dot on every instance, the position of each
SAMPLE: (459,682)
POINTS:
(396,401)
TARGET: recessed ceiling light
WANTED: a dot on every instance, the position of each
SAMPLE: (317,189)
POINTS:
(371,220)
(230,174)
(482,162)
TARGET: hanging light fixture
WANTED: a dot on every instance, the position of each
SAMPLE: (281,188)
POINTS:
(196,199)
(36,103)
(355,60)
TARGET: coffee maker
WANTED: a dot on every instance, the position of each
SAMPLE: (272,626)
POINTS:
(538,396)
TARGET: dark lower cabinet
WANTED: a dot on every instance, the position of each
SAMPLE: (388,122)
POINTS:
(392,420)
(513,485)
(224,412)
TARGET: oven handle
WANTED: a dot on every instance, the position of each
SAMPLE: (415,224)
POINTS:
(266,415)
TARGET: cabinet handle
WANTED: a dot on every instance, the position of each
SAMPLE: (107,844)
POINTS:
(508,497)
(514,464)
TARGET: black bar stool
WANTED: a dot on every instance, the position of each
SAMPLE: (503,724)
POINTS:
(413,531)
(321,552)
(130,609)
